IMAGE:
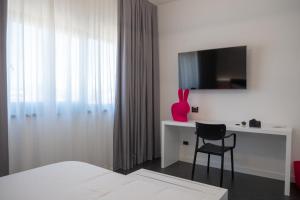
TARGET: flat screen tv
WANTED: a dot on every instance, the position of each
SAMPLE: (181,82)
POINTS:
(223,68)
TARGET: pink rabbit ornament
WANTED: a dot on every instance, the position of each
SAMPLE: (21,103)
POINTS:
(181,109)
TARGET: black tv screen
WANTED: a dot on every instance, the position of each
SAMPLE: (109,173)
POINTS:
(223,68)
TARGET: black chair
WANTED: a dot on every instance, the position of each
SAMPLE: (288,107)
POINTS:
(213,132)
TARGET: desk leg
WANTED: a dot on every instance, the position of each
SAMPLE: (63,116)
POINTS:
(169,146)
(287,181)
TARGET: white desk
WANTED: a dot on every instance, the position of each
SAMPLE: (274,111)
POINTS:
(170,142)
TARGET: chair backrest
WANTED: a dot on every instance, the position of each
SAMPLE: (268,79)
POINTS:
(210,131)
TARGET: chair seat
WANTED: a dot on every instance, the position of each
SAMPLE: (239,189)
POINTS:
(213,149)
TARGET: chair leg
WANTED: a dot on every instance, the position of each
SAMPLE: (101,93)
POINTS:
(208,163)
(194,165)
(222,170)
(232,165)
(195,157)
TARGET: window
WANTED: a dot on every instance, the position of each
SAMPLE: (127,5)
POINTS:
(57,60)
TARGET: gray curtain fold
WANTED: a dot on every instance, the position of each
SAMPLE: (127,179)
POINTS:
(3,92)
(137,118)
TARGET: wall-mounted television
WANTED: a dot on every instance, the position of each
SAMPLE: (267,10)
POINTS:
(223,68)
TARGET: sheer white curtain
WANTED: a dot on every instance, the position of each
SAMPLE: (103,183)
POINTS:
(61,81)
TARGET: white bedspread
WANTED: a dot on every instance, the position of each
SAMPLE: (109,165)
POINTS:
(81,181)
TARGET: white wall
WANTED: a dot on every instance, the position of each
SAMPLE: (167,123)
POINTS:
(271,30)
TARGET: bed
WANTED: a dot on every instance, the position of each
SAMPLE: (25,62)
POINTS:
(82,181)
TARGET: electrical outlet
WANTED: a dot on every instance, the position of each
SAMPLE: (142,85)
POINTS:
(185,143)
(195,109)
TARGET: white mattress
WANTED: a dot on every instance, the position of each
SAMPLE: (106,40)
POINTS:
(81,181)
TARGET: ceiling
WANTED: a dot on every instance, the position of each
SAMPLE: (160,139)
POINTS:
(158,2)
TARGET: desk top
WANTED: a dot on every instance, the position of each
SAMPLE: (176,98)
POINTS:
(231,126)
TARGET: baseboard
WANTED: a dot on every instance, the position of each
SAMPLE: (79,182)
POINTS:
(241,169)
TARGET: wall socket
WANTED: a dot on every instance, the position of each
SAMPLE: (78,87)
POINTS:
(195,109)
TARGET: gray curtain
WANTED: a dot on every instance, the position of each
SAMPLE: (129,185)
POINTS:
(3,92)
(137,119)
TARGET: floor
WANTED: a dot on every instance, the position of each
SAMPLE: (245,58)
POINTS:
(244,186)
